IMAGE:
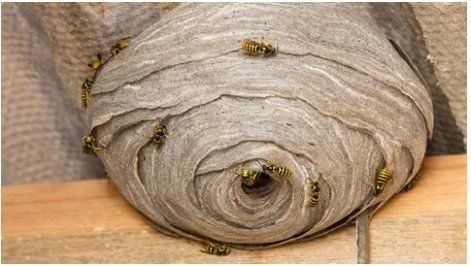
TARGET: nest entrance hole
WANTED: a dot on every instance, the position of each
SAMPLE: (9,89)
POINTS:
(261,186)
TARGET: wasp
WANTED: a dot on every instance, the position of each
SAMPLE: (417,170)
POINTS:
(255,48)
(85,98)
(96,64)
(85,95)
(413,181)
(249,177)
(160,133)
(381,181)
(272,168)
(89,144)
(119,46)
(313,193)
(216,249)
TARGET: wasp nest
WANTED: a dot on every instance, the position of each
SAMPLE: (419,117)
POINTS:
(335,104)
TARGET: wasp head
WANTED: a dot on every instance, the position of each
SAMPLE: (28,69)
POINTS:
(245,173)
(377,191)
(160,130)
(315,187)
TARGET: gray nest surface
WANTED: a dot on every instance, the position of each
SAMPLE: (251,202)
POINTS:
(335,104)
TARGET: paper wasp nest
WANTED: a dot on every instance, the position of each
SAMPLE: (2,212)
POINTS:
(335,104)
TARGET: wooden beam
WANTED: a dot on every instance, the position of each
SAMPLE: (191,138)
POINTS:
(88,221)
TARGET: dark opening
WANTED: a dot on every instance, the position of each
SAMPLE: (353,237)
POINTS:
(259,187)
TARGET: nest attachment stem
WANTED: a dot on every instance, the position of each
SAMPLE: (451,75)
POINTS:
(363,244)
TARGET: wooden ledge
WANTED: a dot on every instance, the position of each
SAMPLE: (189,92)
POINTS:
(88,221)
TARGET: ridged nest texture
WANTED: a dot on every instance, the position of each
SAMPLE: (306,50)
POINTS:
(335,104)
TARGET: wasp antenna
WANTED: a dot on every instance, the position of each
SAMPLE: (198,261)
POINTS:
(261,165)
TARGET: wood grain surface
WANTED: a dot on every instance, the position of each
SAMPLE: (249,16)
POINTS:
(88,221)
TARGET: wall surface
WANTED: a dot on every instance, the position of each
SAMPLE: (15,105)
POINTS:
(45,51)
(444,30)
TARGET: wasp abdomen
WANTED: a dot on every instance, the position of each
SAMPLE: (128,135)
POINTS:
(381,181)
(85,95)
(313,193)
(96,64)
(250,47)
(119,46)
(216,249)
(284,171)
(85,98)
